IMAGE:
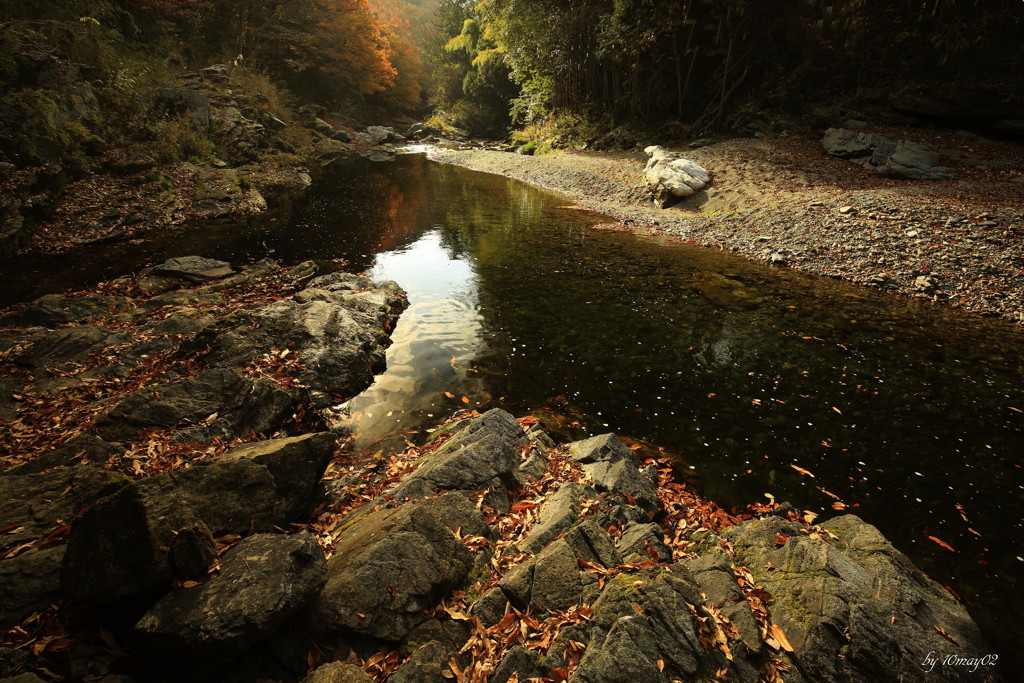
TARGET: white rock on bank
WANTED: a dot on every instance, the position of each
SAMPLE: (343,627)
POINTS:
(671,177)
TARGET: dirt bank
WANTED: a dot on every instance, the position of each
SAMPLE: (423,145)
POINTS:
(783,200)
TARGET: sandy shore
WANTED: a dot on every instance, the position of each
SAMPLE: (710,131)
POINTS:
(783,200)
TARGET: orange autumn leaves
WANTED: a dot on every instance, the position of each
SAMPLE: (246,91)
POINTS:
(363,47)
(368,46)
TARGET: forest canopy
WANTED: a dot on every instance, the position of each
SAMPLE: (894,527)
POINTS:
(686,66)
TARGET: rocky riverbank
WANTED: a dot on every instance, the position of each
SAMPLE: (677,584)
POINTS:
(214,143)
(177,507)
(785,201)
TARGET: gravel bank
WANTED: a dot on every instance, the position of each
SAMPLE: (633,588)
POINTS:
(784,201)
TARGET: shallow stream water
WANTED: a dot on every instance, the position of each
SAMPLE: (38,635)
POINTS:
(764,380)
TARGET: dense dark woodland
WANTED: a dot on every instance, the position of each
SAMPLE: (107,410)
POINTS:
(175,500)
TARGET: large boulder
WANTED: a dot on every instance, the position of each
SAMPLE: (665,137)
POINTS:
(30,581)
(264,581)
(12,224)
(852,606)
(35,509)
(480,454)
(913,161)
(639,621)
(671,177)
(552,579)
(391,565)
(557,514)
(121,547)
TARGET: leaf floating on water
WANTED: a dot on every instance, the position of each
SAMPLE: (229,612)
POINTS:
(449,394)
(963,514)
(837,410)
(943,544)
(801,470)
(465,400)
(1016,410)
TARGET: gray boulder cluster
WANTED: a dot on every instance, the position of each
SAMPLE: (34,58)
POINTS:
(902,159)
(852,606)
(670,177)
(76,529)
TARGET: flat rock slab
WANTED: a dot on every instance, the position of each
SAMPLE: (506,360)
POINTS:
(57,309)
(263,582)
(219,403)
(852,606)
(32,505)
(194,269)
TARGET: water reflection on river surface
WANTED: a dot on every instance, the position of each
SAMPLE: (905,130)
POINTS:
(904,411)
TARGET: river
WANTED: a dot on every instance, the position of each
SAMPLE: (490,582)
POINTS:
(762,380)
